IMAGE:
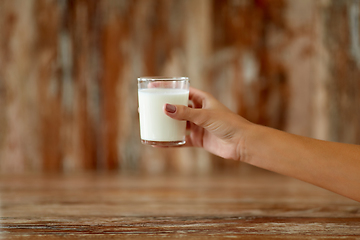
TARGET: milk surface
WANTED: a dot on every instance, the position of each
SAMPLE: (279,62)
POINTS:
(155,125)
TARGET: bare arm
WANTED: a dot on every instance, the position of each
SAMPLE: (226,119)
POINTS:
(333,166)
(330,165)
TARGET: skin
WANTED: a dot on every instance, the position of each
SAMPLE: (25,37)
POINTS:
(330,165)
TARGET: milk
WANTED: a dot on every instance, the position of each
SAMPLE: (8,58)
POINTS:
(155,125)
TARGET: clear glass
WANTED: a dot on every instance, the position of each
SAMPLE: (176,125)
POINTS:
(156,128)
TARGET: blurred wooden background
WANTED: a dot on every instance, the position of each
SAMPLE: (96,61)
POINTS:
(68,69)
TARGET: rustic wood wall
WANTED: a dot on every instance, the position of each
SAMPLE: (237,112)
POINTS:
(68,75)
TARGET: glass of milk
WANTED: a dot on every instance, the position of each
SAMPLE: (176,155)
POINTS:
(156,128)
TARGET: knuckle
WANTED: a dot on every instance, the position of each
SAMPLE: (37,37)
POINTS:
(201,118)
(182,111)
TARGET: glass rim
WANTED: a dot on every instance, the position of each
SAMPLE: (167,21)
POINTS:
(161,78)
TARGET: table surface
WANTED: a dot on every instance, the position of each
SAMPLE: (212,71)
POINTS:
(260,205)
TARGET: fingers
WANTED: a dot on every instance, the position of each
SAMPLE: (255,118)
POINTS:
(198,97)
(194,113)
(180,112)
(188,141)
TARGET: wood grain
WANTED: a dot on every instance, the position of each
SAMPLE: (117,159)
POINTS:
(252,206)
(68,74)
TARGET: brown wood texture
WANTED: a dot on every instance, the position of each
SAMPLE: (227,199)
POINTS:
(257,205)
(68,93)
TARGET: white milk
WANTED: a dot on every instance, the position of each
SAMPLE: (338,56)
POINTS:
(155,125)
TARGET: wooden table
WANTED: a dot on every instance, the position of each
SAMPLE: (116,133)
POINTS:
(258,205)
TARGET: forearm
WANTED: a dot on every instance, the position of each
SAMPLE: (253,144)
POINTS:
(334,166)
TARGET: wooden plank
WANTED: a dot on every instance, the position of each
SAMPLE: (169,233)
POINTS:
(107,206)
(68,74)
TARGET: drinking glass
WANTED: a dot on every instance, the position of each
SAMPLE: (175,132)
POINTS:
(156,128)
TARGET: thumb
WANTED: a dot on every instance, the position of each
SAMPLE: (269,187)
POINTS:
(181,112)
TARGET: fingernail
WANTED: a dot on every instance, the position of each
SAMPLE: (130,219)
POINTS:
(170,108)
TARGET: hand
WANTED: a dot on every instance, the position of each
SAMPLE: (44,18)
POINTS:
(333,166)
(212,125)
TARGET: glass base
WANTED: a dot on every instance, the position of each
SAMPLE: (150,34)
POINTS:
(163,144)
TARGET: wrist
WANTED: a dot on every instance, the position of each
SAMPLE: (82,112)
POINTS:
(248,130)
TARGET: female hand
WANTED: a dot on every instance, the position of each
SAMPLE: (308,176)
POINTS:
(212,125)
(333,166)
